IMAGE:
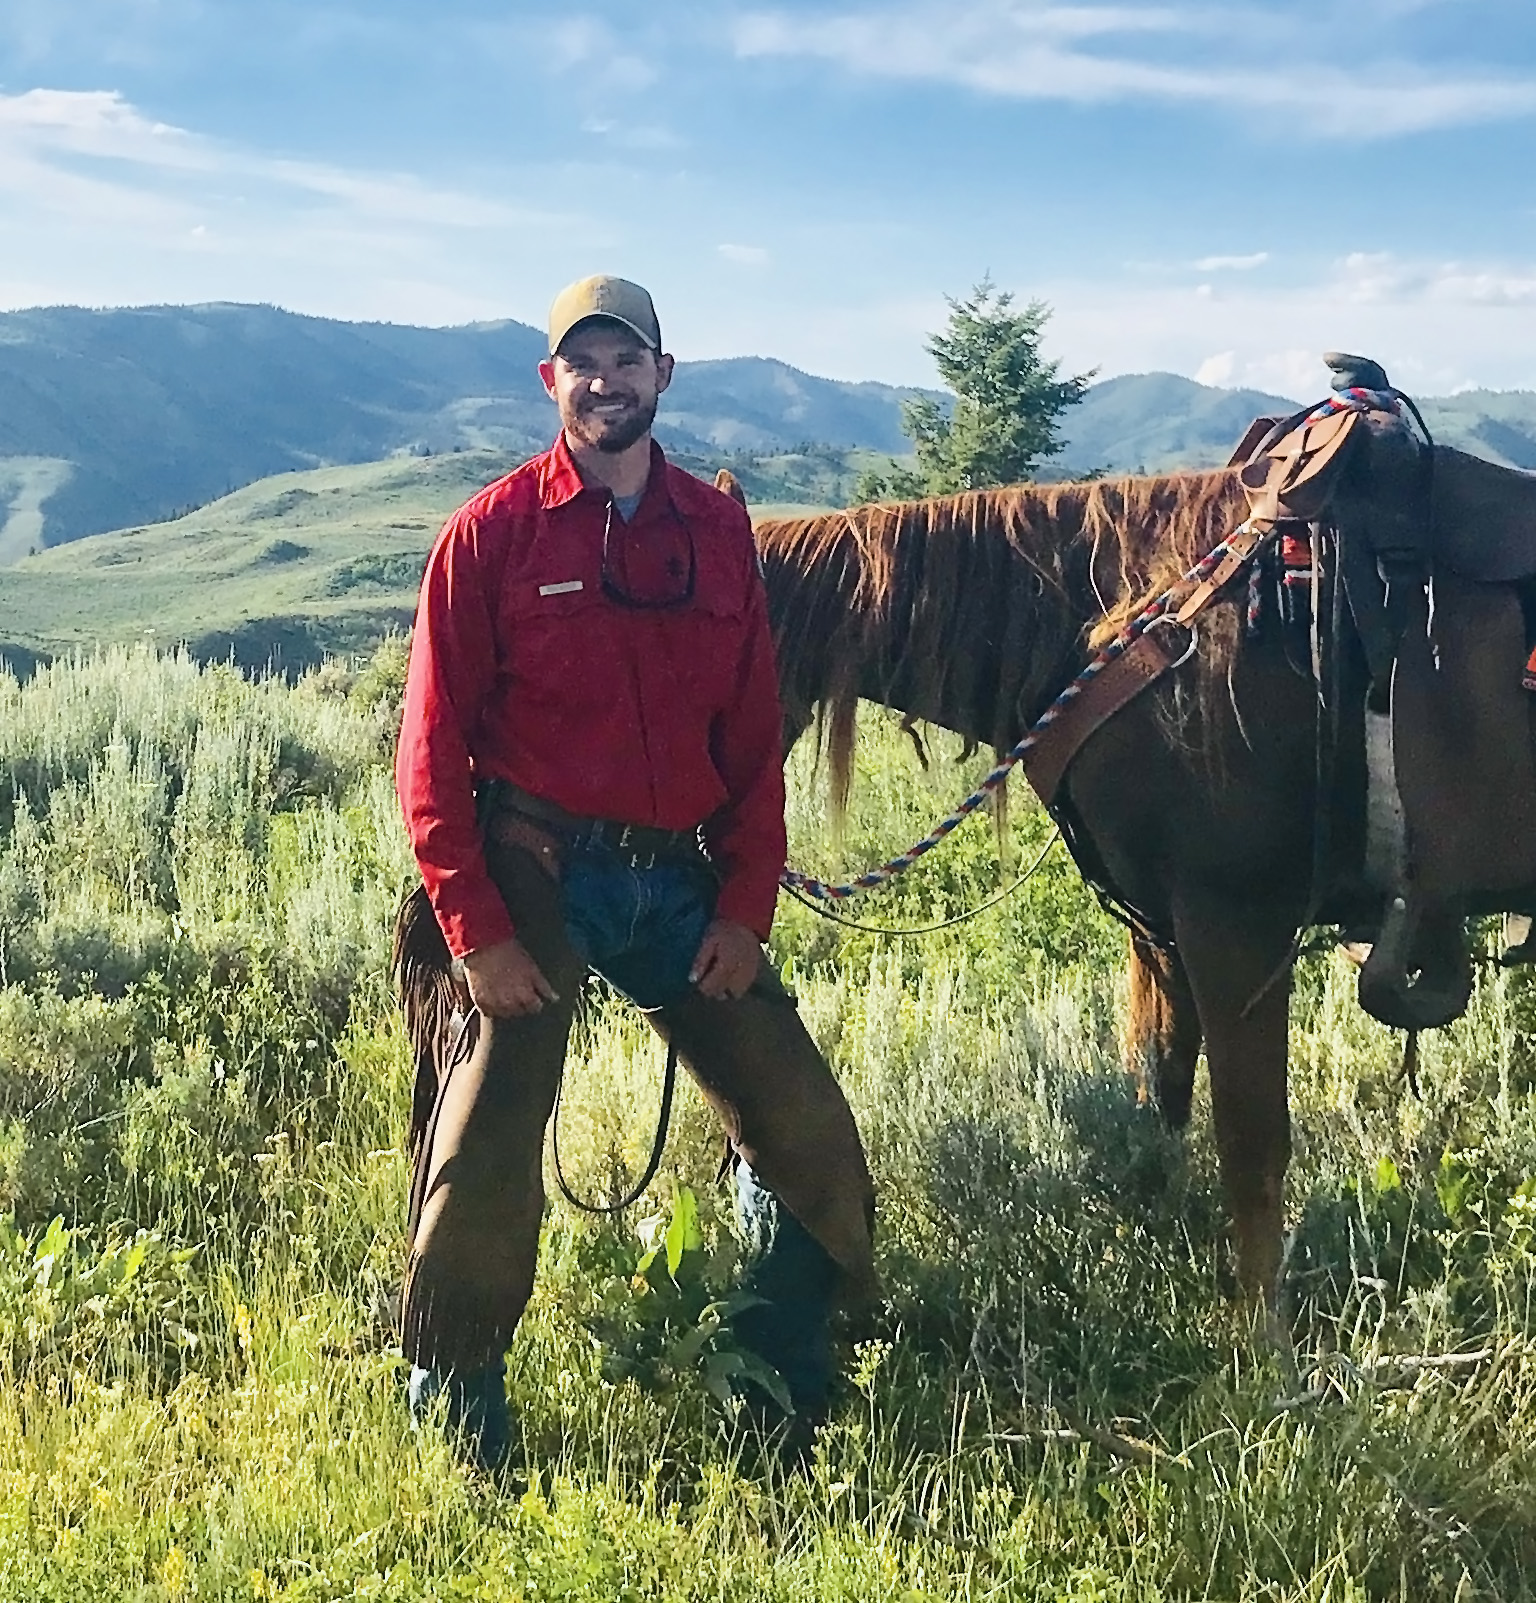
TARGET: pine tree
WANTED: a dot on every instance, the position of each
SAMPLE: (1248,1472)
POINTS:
(1008,402)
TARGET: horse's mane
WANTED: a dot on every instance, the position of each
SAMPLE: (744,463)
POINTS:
(974,601)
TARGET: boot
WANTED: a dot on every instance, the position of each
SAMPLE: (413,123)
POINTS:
(475,1413)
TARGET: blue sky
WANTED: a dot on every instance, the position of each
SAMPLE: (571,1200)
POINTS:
(1218,190)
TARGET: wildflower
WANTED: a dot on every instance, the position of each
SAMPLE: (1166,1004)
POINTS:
(173,1573)
(243,1328)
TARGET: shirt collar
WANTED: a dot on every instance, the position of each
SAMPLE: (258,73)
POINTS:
(560,479)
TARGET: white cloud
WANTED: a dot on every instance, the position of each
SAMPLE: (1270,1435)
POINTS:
(586,44)
(101,204)
(44,130)
(1221,58)
(1434,325)
(636,137)
(1231,264)
(1217,369)
(744,255)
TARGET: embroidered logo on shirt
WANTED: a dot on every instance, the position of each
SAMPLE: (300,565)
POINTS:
(568,587)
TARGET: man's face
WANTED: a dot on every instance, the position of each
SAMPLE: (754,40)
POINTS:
(606,382)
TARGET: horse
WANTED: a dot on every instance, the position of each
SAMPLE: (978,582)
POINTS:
(1225,807)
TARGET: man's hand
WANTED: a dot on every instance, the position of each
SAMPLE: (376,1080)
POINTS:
(505,982)
(728,960)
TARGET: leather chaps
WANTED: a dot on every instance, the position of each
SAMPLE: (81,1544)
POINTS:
(478,1192)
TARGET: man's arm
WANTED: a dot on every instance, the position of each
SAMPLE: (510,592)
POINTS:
(452,670)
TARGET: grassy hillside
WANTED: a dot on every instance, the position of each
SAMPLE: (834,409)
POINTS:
(203,1081)
(125,416)
(1497,424)
(302,565)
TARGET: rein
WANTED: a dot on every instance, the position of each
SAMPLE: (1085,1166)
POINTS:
(943,924)
(653,1163)
(1209,576)
(459,1050)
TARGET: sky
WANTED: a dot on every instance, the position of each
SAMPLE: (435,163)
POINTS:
(1219,190)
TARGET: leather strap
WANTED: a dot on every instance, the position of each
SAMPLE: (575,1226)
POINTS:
(638,841)
(1241,544)
(1142,663)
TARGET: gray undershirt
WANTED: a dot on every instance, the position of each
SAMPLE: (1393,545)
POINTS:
(627,505)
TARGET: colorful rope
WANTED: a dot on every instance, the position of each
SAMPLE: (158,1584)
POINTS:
(792,879)
(1355,399)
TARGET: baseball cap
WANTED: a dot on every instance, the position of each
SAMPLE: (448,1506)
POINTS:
(602,295)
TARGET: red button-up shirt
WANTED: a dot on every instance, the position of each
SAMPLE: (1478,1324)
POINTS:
(524,668)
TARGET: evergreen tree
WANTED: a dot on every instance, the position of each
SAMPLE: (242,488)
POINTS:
(1008,401)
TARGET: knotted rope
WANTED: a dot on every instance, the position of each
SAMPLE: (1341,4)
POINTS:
(793,880)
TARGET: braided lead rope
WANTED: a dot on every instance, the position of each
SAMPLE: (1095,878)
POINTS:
(793,880)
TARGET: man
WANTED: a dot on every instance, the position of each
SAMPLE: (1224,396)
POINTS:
(591,694)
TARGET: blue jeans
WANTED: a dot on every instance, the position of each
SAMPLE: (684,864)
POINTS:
(641,928)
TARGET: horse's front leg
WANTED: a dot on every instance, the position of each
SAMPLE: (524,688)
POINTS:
(1237,962)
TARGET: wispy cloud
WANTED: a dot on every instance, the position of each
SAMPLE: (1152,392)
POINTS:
(590,45)
(627,136)
(1367,277)
(1435,324)
(1232,264)
(744,255)
(111,205)
(61,147)
(1032,49)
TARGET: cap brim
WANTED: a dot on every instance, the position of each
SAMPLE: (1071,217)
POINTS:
(605,317)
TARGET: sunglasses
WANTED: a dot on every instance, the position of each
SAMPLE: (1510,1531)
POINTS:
(617,590)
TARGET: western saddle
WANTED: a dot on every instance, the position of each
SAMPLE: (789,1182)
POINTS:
(1441,591)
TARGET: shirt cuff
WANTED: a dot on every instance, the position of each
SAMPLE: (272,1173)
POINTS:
(742,902)
(472,916)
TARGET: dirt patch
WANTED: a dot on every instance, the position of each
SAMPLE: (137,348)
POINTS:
(26,482)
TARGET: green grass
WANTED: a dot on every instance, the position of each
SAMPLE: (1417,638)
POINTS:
(201,1072)
(294,568)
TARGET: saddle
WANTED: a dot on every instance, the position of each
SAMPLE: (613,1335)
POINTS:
(1440,606)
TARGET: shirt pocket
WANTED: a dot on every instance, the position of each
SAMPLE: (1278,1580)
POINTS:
(551,626)
(707,644)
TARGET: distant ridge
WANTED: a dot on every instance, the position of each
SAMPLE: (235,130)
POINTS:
(1154,422)
(121,417)
(133,415)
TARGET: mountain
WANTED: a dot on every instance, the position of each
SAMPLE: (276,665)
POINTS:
(122,417)
(1153,422)
(110,418)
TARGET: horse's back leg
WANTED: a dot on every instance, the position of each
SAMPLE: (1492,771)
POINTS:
(1161,1041)
(1230,955)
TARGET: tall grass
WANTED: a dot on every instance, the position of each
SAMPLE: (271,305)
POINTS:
(201,1076)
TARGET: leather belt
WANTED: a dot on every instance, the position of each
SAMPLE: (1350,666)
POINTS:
(639,845)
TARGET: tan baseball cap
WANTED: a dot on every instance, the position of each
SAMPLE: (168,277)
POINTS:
(603,296)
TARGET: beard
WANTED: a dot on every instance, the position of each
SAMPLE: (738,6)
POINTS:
(613,435)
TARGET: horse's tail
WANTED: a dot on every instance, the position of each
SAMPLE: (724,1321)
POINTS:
(1161,1038)
(429,996)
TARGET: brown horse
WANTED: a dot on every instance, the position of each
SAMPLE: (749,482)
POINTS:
(1210,805)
